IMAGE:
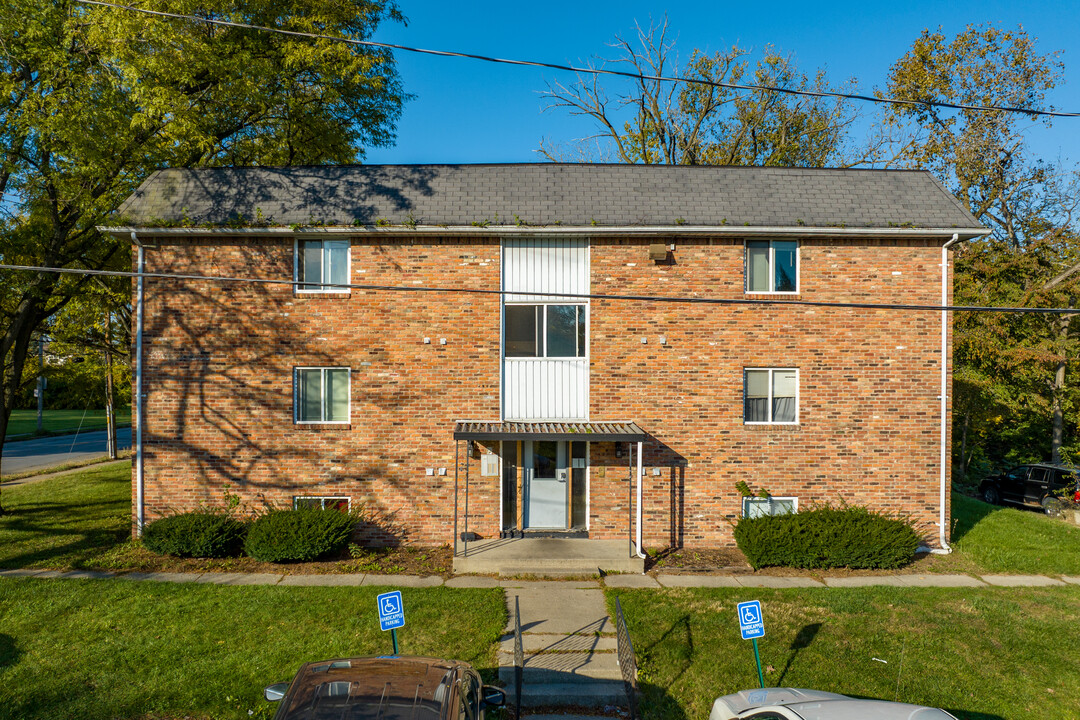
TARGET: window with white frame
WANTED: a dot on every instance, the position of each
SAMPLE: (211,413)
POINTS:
(551,331)
(772,266)
(321,503)
(753,507)
(321,395)
(321,265)
(771,395)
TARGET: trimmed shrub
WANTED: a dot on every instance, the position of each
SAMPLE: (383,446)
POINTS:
(827,537)
(202,534)
(299,535)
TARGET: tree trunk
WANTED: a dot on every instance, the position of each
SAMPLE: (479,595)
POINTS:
(1057,390)
(964,442)
(110,411)
(14,347)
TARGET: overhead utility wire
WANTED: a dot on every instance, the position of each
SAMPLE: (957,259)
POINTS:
(573,296)
(590,70)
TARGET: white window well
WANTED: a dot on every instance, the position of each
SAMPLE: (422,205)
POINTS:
(321,395)
(771,396)
(772,266)
(321,503)
(753,507)
(321,266)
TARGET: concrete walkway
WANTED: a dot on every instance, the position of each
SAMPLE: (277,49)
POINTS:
(611,581)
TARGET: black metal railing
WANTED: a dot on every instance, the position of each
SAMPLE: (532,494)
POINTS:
(627,661)
(519,658)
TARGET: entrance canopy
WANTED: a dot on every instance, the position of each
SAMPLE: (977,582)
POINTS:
(588,431)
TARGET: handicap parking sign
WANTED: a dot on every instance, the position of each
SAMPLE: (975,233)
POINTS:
(750,623)
(391,611)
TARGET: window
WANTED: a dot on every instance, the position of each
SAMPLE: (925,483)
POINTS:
(321,503)
(753,507)
(322,261)
(321,395)
(772,266)
(771,395)
(544,331)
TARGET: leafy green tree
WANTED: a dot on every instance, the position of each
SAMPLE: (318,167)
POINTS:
(93,99)
(1014,382)
(649,121)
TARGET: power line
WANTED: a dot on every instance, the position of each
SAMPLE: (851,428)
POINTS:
(571,296)
(591,70)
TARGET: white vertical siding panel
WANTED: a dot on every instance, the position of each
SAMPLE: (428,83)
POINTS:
(548,266)
(543,389)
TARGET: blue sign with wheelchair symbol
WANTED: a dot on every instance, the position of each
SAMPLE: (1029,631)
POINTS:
(391,611)
(750,623)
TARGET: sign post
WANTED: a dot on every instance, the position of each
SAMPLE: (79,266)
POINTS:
(391,614)
(752,626)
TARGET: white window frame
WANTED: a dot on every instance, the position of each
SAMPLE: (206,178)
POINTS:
(772,267)
(312,288)
(772,370)
(322,500)
(322,405)
(542,331)
(747,502)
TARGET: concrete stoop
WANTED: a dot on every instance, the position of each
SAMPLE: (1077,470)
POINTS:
(547,557)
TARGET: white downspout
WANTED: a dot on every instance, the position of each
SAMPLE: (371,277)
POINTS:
(944,549)
(640,475)
(140,511)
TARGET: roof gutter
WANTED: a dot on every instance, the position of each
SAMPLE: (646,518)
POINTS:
(739,231)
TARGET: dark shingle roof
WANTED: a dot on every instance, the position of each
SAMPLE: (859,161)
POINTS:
(546,194)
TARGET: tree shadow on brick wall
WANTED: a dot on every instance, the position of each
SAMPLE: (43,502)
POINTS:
(220,361)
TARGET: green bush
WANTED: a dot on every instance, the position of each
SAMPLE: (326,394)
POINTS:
(301,534)
(202,533)
(827,537)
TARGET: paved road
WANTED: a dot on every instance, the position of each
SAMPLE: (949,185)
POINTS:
(45,452)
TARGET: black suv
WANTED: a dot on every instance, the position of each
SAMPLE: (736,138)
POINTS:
(1036,485)
(389,688)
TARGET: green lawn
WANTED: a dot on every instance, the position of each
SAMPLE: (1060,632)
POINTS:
(121,649)
(67,521)
(24,422)
(997,539)
(982,654)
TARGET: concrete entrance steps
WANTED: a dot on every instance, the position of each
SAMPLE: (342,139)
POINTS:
(546,556)
(569,646)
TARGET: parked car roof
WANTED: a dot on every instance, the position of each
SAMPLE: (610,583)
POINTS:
(819,705)
(397,688)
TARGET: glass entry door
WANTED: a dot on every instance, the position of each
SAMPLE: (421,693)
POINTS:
(546,491)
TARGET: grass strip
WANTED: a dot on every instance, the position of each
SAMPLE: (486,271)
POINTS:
(119,649)
(998,539)
(54,422)
(982,654)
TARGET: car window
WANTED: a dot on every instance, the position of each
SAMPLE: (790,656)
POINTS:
(1018,474)
(1038,475)
(767,715)
(1064,478)
(469,698)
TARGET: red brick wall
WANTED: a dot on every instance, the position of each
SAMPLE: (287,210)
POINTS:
(220,359)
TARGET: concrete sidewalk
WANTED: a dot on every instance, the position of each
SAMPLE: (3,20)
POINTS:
(611,581)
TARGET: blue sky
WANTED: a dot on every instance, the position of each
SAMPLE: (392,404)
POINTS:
(467,111)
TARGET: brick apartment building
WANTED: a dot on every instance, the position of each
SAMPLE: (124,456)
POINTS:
(598,350)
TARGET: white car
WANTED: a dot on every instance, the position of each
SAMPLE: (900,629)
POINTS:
(796,704)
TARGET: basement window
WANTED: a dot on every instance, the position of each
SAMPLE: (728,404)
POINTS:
(753,507)
(321,503)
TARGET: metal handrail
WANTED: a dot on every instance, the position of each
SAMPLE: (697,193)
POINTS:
(627,660)
(519,658)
